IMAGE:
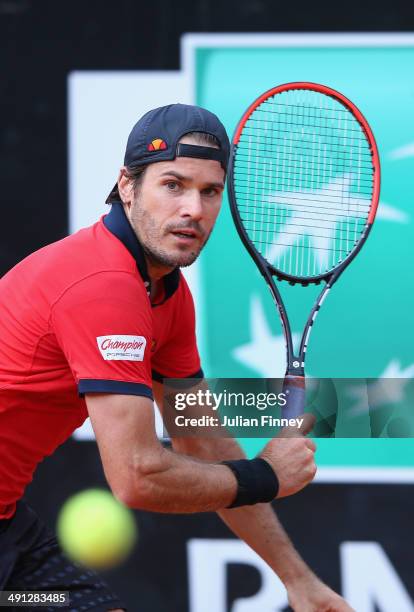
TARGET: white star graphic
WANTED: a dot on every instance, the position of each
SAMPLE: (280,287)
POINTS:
(301,206)
(388,389)
(402,152)
(386,212)
(265,353)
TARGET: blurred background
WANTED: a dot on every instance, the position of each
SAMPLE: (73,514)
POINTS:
(75,77)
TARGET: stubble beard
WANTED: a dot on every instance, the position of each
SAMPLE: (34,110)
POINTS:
(150,238)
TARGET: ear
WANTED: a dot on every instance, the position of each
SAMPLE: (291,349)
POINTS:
(125,187)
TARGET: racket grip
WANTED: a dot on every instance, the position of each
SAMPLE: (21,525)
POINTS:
(294,388)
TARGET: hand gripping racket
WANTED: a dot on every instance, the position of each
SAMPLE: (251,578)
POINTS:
(304,183)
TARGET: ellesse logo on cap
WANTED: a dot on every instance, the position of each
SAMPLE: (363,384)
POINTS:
(122,348)
(157,145)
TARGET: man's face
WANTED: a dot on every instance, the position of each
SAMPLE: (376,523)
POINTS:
(175,208)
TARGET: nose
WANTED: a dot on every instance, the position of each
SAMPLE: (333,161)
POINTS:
(191,205)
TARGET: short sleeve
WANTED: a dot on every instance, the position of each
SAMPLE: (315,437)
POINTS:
(178,357)
(103,325)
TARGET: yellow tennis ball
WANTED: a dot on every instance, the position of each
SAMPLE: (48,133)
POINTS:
(95,529)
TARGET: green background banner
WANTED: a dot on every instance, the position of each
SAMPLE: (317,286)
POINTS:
(364,328)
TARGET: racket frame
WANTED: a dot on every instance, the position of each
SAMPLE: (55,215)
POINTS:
(295,362)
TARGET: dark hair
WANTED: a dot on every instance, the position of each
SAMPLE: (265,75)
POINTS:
(134,174)
(204,139)
(137,174)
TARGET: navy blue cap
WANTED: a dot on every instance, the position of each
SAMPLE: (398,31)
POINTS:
(155,137)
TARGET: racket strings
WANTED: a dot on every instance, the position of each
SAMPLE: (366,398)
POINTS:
(255,126)
(303,181)
(280,158)
(328,214)
(359,208)
(313,227)
(277,104)
(312,181)
(305,246)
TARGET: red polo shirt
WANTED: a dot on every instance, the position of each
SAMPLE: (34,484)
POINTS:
(76,318)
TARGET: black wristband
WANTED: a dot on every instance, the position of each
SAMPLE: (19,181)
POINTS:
(256,481)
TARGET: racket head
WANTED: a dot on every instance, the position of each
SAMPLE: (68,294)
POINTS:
(304,181)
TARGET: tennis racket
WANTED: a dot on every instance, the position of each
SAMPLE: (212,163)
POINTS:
(304,182)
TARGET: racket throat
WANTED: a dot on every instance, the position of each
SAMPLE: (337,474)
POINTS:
(295,367)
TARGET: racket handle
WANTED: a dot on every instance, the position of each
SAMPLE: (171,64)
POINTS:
(294,388)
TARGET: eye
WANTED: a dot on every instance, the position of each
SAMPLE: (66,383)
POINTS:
(210,192)
(172,185)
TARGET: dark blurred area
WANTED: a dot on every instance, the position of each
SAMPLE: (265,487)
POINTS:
(42,41)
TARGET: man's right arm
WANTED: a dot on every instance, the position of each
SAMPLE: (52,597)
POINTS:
(143,474)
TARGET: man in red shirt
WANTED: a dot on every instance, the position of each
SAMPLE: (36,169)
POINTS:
(91,325)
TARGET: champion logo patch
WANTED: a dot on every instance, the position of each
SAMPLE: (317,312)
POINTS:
(157,145)
(122,348)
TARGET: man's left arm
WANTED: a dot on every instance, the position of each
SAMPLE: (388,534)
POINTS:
(260,528)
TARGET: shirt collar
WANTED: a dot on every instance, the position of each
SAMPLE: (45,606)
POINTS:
(117,223)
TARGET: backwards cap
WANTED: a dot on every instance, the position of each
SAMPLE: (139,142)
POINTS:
(155,137)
